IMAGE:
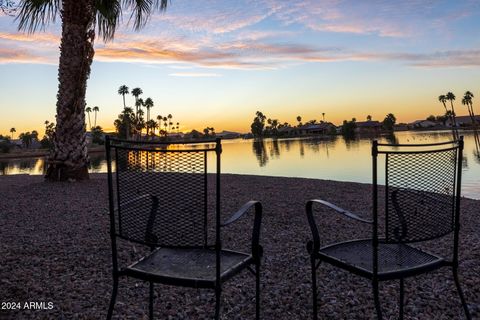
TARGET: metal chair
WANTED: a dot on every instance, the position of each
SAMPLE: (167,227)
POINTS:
(422,203)
(158,197)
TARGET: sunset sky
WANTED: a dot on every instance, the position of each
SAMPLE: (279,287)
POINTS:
(214,63)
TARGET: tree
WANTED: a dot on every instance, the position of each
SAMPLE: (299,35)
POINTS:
(389,122)
(12,131)
(348,128)
(69,159)
(169,122)
(299,119)
(97,135)
(95,109)
(26,138)
(88,110)
(47,140)
(369,118)
(258,124)
(431,118)
(148,104)
(136,92)
(124,123)
(123,90)
(323,116)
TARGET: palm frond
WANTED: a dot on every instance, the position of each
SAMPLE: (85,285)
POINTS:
(142,10)
(36,14)
(108,15)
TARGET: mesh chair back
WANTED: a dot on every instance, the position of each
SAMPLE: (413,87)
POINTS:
(420,190)
(161,193)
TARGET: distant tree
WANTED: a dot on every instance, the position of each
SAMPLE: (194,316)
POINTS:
(88,110)
(123,90)
(47,140)
(299,119)
(258,124)
(12,131)
(124,123)
(348,128)
(26,138)
(323,116)
(369,118)
(95,109)
(451,97)
(431,118)
(389,122)
(97,135)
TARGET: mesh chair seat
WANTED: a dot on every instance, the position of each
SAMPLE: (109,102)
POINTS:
(393,259)
(190,267)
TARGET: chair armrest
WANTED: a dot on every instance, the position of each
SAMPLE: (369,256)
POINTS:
(257,250)
(314,245)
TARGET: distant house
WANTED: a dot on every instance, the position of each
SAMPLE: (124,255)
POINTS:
(401,127)
(228,135)
(463,121)
(421,124)
(368,127)
(309,129)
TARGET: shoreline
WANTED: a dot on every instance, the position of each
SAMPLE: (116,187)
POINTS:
(56,248)
(40,153)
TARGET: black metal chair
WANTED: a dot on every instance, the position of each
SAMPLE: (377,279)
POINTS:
(158,197)
(422,203)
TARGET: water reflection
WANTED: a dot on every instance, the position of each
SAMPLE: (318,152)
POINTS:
(332,158)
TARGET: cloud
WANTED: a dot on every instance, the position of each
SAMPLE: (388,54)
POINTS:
(195,74)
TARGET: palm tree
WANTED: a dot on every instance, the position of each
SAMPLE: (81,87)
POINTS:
(451,97)
(299,119)
(148,104)
(369,118)
(69,158)
(12,131)
(95,109)
(88,110)
(323,116)
(136,92)
(448,113)
(123,90)
(178,125)
(170,123)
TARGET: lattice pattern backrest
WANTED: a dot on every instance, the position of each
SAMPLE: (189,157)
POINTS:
(162,196)
(420,195)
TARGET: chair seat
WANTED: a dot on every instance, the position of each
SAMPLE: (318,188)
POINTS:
(394,260)
(188,267)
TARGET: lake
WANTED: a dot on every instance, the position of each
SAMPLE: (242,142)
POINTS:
(330,158)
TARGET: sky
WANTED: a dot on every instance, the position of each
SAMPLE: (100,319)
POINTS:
(215,63)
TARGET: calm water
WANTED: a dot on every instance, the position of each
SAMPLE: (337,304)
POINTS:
(325,158)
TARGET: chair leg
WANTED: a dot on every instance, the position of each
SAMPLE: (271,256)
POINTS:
(113,298)
(218,292)
(150,302)
(314,288)
(257,291)
(377,300)
(460,293)
(401,299)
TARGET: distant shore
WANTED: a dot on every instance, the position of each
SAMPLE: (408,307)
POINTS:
(40,153)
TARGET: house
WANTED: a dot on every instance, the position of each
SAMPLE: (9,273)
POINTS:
(309,129)
(368,127)
(421,124)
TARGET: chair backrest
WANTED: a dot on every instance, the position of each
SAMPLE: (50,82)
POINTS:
(422,189)
(160,192)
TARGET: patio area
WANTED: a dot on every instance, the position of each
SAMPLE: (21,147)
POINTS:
(55,247)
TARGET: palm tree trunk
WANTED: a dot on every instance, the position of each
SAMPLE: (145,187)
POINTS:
(69,158)
(95,124)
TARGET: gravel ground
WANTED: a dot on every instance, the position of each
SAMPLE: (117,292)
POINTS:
(55,247)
